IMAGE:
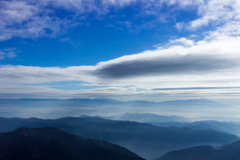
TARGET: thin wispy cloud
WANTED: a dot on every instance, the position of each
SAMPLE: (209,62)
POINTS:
(8,53)
(28,19)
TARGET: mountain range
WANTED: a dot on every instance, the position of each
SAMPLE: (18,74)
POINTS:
(56,108)
(180,122)
(147,117)
(148,141)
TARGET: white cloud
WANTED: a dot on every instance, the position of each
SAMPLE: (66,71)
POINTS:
(36,75)
(214,12)
(183,41)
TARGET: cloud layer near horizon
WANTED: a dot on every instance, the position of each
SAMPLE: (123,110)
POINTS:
(205,63)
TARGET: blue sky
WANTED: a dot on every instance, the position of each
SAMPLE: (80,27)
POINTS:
(122,49)
(97,39)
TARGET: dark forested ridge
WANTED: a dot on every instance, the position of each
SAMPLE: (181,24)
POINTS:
(146,140)
(54,144)
(226,152)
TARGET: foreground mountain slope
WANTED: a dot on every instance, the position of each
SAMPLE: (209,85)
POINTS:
(146,140)
(226,152)
(51,143)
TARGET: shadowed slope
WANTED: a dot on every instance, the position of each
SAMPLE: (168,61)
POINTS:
(51,143)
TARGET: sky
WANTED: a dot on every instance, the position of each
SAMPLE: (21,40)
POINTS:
(154,50)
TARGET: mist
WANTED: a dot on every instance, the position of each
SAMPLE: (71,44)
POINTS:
(197,109)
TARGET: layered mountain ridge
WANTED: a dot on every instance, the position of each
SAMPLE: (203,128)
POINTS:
(146,140)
